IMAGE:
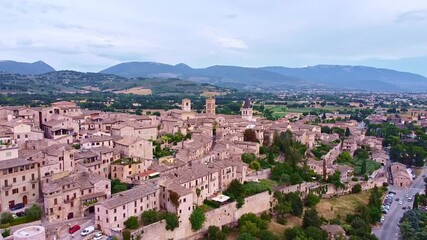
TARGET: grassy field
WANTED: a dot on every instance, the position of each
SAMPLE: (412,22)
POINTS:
(339,207)
(280,111)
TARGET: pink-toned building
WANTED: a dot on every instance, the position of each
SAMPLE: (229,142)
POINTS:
(400,175)
(111,213)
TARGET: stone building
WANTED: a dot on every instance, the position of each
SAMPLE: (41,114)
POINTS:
(111,213)
(67,196)
(19,179)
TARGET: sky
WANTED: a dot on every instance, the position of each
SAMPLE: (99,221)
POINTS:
(92,35)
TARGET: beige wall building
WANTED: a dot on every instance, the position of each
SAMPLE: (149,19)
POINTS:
(135,147)
(111,213)
(68,196)
(19,180)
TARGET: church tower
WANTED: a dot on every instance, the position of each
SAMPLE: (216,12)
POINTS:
(186,105)
(210,105)
(246,110)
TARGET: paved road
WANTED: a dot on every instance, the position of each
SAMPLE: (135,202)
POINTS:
(390,229)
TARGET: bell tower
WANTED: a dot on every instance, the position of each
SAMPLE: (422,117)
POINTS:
(210,105)
(247,111)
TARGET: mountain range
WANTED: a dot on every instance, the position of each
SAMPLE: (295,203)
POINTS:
(265,78)
(34,68)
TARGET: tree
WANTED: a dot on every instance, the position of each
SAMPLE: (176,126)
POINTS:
(316,233)
(249,135)
(198,191)
(172,221)
(344,157)
(311,219)
(236,192)
(197,218)
(252,224)
(150,216)
(34,212)
(347,132)
(132,223)
(357,188)
(268,235)
(294,233)
(246,236)
(363,168)
(248,157)
(215,233)
(335,179)
(312,200)
(416,201)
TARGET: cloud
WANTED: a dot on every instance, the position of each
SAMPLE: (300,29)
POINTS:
(412,16)
(233,43)
(231,16)
(24,42)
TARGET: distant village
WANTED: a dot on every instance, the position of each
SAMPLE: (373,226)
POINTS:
(66,160)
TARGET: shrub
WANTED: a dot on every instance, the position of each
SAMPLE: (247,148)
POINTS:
(212,203)
(355,179)
(6,217)
(132,223)
(6,232)
(356,188)
(126,235)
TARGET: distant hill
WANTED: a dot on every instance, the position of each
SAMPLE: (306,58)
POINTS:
(34,68)
(280,78)
(228,76)
(79,82)
(355,77)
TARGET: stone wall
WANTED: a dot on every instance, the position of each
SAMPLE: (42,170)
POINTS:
(224,215)
(262,174)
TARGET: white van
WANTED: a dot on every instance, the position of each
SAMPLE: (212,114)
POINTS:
(87,231)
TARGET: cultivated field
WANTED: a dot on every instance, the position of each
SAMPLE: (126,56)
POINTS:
(136,91)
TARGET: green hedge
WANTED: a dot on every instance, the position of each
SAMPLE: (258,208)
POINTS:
(211,203)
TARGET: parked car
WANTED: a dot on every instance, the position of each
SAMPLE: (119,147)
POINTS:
(110,238)
(20,214)
(98,236)
(397,199)
(17,206)
(400,202)
(87,231)
(382,219)
(74,229)
(409,199)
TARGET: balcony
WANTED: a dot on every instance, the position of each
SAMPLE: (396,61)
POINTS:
(7,187)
